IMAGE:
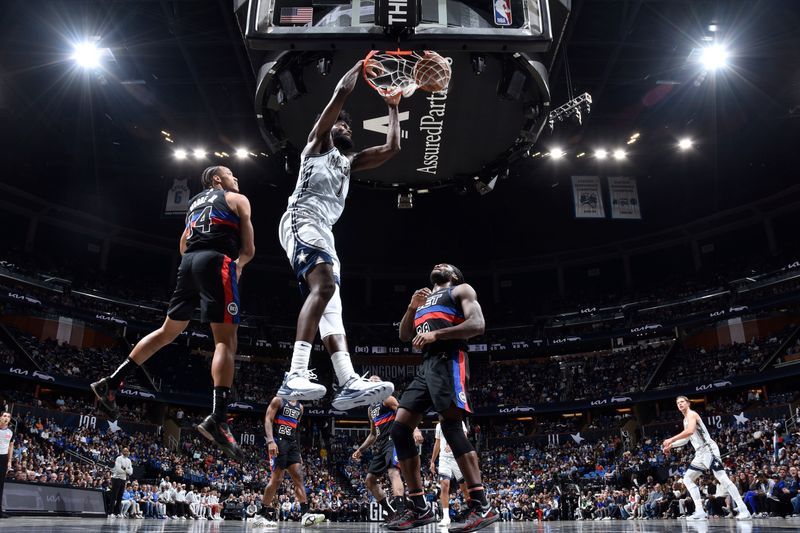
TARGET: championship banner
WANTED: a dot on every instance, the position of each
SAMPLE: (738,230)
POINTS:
(624,198)
(177,198)
(588,197)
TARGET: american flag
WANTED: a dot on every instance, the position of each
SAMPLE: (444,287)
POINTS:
(296,15)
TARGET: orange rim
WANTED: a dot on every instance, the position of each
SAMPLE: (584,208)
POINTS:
(370,55)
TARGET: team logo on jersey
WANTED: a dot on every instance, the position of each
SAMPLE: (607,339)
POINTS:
(462,397)
(233,309)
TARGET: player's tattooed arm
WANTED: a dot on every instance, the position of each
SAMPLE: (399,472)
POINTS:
(369,441)
(375,156)
(269,418)
(319,140)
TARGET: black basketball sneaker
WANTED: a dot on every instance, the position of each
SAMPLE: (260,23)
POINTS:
(220,434)
(478,517)
(411,517)
(107,397)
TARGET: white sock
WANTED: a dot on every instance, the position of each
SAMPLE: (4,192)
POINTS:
(445,512)
(300,356)
(343,367)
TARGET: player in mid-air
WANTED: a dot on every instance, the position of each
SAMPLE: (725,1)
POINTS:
(439,322)
(384,460)
(306,235)
(448,470)
(281,428)
(707,457)
(216,244)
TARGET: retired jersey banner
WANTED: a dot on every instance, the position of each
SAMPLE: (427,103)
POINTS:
(624,198)
(177,198)
(588,197)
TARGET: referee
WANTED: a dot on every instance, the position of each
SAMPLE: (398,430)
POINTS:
(119,475)
(6,453)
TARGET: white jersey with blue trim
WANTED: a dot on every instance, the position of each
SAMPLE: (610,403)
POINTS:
(321,189)
(700,439)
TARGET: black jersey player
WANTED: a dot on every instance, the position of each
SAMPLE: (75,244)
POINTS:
(384,459)
(439,321)
(217,242)
(281,428)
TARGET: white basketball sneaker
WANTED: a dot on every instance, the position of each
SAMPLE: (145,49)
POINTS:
(360,392)
(312,519)
(445,522)
(743,514)
(697,516)
(298,386)
(263,521)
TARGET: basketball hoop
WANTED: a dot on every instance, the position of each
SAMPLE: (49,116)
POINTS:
(402,71)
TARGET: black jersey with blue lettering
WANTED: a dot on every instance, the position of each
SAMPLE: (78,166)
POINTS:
(211,225)
(285,424)
(382,417)
(440,311)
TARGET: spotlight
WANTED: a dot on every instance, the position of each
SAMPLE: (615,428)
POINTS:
(685,143)
(714,57)
(87,55)
(241,153)
(601,153)
(180,153)
(405,201)
(619,154)
(198,153)
(557,153)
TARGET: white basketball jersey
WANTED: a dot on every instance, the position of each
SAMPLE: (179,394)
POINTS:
(321,187)
(444,448)
(700,439)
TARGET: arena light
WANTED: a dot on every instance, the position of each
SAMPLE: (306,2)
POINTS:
(241,153)
(557,153)
(685,143)
(199,153)
(87,55)
(619,154)
(714,57)
(601,153)
(180,153)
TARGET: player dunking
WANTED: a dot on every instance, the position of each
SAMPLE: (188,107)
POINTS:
(440,321)
(384,461)
(216,244)
(306,235)
(707,457)
(281,427)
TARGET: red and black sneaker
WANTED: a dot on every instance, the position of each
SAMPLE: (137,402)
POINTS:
(411,517)
(479,517)
(220,434)
(107,397)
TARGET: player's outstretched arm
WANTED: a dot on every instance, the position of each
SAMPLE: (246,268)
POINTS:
(319,140)
(473,324)
(377,155)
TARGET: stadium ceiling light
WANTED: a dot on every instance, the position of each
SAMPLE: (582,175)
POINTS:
(199,153)
(619,154)
(713,28)
(685,143)
(557,153)
(581,154)
(635,135)
(87,55)
(601,153)
(241,153)
(714,57)
(180,153)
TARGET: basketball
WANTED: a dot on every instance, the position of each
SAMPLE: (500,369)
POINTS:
(432,72)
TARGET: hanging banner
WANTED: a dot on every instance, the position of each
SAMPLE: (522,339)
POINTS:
(588,197)
(177,198)
(624,198)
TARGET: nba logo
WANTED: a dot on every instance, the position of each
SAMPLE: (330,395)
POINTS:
(502,12)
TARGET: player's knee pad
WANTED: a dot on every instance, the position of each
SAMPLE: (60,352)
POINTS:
(331,321)
(403,438)
(454,433)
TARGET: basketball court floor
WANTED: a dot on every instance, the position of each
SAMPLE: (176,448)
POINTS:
(85,525)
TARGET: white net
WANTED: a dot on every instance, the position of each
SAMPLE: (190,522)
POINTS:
(404,72)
